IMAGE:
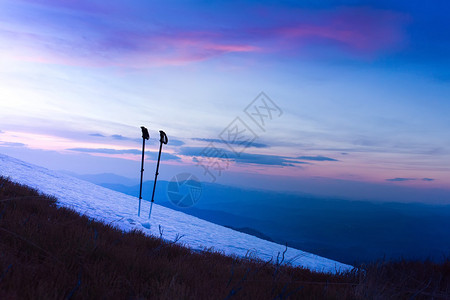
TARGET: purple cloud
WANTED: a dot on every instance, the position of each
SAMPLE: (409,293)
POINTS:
(151,154)
(11,144)
(253,144)
(362,31)
(96,134)
(428,179)
(88,6)
(94,34)
(316,158)
(400,179)
(247,158)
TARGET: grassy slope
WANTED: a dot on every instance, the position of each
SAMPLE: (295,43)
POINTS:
(48,252)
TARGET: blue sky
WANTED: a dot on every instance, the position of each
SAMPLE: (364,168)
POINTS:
(362,87)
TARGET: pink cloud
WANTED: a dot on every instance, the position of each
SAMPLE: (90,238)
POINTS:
(360,31)
(355,30)
(90,6)
(121,48)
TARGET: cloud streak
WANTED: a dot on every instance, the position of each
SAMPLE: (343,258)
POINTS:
(119,137)
(403,179)
(359,29)
(82,33)
(12,144)
(428,179)
(150,154)
(247,158)
(316,158)
(253,144)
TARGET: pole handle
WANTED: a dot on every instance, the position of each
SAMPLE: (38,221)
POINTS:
(145,134)
(163,137)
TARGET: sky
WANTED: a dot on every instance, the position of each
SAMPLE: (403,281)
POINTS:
(353,95)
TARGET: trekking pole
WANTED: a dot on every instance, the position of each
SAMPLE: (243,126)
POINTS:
(163,140)
(145,136)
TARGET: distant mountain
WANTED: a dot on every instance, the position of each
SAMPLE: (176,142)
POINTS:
(105,178)
(344,230)
(120,210)
(252,232)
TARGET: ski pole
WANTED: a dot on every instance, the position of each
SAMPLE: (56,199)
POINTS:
(163,140)
(145,136)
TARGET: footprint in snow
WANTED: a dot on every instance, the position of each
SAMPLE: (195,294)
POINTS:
(146,225)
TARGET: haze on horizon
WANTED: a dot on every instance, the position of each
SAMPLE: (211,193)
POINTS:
(362,89)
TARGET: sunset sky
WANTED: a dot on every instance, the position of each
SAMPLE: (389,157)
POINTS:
(359,91)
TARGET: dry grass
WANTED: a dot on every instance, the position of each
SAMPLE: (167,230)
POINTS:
(48,252)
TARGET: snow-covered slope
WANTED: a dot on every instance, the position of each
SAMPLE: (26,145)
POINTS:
(121,210)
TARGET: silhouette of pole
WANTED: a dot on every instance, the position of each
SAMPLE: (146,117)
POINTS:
(145,136)
(163,140)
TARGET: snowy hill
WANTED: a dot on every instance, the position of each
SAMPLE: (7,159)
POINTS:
(121,210)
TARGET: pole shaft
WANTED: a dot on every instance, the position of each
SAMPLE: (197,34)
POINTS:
(150,213)
(142,174)
(156,176)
